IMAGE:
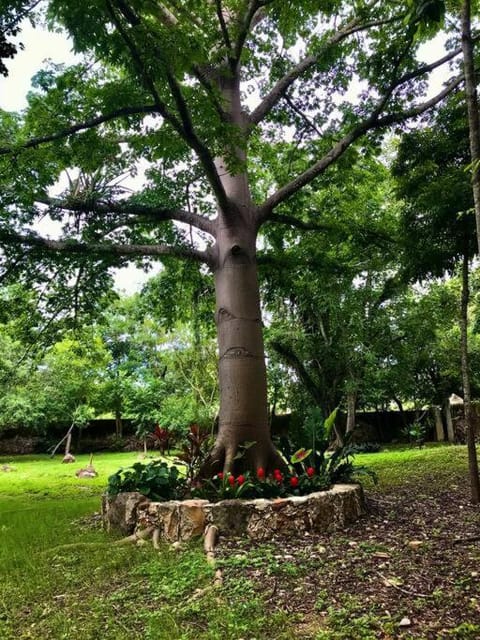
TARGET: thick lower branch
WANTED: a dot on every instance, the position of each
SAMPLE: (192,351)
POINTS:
(80,126)
(156,214)
(99,249)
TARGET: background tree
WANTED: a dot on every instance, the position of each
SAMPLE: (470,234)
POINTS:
(439,228)
(12,13)
(328,299)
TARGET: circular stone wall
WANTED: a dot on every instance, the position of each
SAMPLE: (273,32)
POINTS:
(258,519)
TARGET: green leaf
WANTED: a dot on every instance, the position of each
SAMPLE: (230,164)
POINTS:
(300,455)
(330,421)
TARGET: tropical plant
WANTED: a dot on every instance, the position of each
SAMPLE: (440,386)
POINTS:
(155,480)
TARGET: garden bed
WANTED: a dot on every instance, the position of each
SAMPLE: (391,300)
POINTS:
(258,519)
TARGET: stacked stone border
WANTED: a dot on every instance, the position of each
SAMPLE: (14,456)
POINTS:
(177,521)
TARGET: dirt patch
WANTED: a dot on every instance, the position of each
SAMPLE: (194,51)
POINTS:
(409,569)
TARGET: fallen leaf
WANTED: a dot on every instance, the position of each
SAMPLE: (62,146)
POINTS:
(415,544)
(392,582)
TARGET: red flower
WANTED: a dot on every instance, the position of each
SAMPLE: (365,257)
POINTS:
(277,474)
(260,473)
(241,480)
(310,472)
(220,475)
(294,481)
(231,480)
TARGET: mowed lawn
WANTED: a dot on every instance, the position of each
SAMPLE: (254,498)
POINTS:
(62,576)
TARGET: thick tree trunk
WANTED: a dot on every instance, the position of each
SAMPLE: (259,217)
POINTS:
(467,402)
(243,415)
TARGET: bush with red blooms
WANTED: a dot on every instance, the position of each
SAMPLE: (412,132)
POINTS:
(308,471)
(278,484)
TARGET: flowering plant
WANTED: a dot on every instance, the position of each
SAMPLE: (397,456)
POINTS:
(278,484)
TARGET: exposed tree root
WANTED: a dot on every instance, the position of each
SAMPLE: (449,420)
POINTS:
(156,538)
(209,542)
(142,534)
(224,457)
(88,471)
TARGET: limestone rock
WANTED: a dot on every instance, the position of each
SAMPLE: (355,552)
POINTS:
(119,513)
(258,519)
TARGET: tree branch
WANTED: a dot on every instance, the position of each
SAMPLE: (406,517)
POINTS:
(373,235)
(80,126)
(19,17)
(282,86)
(156,214)
(300,113)
(196,144)
(299,224)
(373,122)
(223,25)
(74,247)
(146,78)
(253,7)
(184,126)
(291,358)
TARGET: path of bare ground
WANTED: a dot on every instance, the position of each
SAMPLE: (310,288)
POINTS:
(410,569)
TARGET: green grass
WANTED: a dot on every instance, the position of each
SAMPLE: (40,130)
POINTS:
(43,476)
(61,579)
(400,465)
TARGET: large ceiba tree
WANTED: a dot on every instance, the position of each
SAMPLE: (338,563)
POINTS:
(211,93)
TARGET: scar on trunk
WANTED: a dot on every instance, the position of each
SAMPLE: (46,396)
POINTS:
(239,352)
(224,315)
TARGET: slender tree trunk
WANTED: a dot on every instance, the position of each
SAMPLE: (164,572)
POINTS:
(351,410)
(448,418)
(467,401)
(437,415)
(68,443)
(399,404)
(472,107)
(118,423)
(474,134)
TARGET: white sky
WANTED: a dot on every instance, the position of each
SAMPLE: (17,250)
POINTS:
(41,45)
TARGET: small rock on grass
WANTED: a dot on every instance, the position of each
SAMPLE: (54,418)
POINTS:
(405,622)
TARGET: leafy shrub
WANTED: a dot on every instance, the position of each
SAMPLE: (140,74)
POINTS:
(194,450)
(299,479)
(308,470)
(259,485)
(155,480)
(416,433)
